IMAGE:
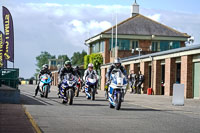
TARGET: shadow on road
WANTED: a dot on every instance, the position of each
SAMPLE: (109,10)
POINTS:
(26,100)
(136,109)
(101,100)
(88,105)
(53,98)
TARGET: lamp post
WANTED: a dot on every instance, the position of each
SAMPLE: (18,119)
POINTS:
(139,51)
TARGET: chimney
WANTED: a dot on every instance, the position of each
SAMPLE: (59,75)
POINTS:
(134,9)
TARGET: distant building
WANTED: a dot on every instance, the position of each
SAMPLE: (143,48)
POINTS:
(137,31)
(164,61)
(55,64)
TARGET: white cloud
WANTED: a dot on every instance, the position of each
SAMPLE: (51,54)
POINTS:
(155,17)
(62,29)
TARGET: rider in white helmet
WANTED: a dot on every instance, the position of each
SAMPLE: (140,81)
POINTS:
(89,71)
(117,64)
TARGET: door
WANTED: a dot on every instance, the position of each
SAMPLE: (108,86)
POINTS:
(163,80)
(196,80)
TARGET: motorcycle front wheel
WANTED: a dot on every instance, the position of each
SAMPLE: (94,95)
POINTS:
(118,101)
(70,96)
(93,92)
(46,91)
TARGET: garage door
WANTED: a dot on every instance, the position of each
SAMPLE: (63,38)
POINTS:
(196,80)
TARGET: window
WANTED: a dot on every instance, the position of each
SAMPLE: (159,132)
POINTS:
(166,45)
(53,63)
(175,44)
(102,45)
(96,47)
(155,46)
(124,44)
(134,44)
(121,43)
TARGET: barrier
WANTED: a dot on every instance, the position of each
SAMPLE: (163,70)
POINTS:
(9,77)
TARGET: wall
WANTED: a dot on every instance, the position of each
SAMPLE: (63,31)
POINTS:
(145,44)
(106,54)
(187,76)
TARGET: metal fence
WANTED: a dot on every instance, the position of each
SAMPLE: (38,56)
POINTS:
(9,77)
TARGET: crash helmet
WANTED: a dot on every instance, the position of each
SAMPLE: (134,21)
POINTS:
(45,66)
(76,67)
(117,62)
(67,64)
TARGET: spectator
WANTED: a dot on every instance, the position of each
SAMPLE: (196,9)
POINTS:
(132,81)
(140,81)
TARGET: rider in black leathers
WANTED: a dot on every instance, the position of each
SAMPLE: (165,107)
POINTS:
(76,69)
(45,70)
(66,69)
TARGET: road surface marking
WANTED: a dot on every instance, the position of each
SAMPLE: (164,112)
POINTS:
(34,124)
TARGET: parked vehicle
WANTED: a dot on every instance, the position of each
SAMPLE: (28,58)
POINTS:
(67,89)
(117,89)
(45,85)
(90,86)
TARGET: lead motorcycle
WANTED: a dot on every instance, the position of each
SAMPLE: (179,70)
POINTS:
(45,85)
(67,88)
(90,86)
(116,89)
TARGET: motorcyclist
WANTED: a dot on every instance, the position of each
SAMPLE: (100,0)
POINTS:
(89,71)
(132,81)
(76,69)
(115,65)
(44,70)
(66,69)
(78,74)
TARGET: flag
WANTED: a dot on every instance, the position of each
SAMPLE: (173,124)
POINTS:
(9,35)
(1,49)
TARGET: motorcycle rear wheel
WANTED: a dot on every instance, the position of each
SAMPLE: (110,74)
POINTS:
(77,92)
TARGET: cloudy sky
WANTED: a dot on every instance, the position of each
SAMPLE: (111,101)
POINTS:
(61,26)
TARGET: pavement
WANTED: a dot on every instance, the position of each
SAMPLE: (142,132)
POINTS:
(138,114)
(14,120)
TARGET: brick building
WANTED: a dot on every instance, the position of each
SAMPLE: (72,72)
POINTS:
(165,59)
(180,65)
(135,32)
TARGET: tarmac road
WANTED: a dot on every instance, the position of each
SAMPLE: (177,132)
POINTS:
(86,116)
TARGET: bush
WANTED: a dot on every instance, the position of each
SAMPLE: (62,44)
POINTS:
(95,58)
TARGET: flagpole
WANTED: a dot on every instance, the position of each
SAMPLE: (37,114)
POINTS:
(116,33)
(112,45)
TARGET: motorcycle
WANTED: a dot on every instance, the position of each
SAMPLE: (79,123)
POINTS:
(67,88)
(90,86)
(78,86)
(45,84)
(117,89)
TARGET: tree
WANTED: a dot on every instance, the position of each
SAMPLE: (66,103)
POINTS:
(95,58)
(64,57)
(78,58)
(43,59)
